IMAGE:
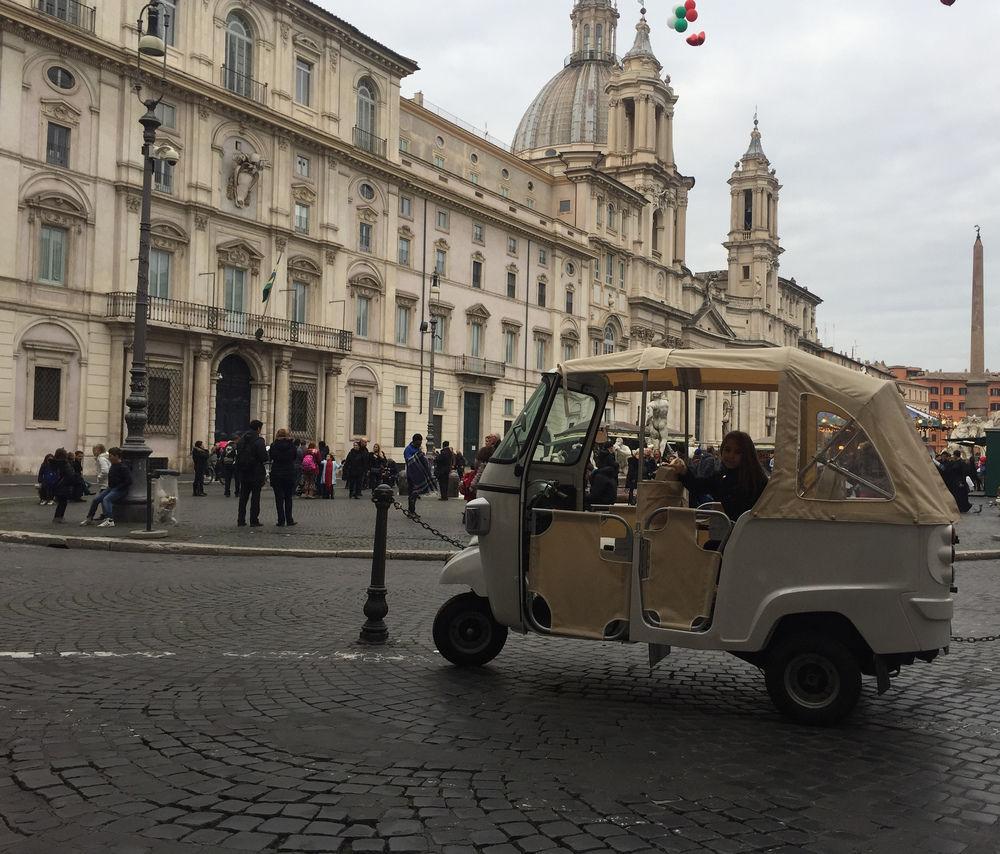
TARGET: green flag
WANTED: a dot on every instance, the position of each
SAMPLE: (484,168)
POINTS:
(269,284)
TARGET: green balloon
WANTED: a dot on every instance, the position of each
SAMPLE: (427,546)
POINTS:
(681,25)
(680,12)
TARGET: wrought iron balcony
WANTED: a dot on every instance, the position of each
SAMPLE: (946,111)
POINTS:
(369,142)
(70,11)
(233,324)
(474,366)
(590,56)
(243,85)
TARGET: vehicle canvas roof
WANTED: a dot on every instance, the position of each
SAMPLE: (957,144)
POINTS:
(920,496)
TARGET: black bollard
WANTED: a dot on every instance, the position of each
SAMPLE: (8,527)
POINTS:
(375,631)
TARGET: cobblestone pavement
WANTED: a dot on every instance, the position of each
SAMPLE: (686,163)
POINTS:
(338,524)
(185,705)
(322,524)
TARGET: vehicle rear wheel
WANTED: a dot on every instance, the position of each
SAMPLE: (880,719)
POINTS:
(813,679)
(466,633)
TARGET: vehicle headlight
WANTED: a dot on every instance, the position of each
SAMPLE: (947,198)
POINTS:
(477,517)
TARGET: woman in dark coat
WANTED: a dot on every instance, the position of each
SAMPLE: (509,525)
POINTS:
(283,455)
(66,483)
(739,481)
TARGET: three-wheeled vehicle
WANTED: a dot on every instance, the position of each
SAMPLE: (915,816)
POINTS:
(842,568)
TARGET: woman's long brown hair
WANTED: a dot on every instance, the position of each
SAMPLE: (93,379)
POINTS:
(750,475)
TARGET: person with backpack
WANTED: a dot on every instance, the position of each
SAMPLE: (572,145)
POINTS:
(48,477)
(310,471)
(229,467)
(251,455)
(119,480)
(65,484)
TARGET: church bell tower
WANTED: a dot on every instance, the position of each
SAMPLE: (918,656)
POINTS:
(753,243)
(595,24)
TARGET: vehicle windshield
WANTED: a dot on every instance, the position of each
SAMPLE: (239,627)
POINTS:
(510,448)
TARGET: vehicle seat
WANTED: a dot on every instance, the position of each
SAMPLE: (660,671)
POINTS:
(680,590)
(585,588)
(653,494)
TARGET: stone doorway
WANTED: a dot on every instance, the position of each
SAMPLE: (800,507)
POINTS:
(232,398)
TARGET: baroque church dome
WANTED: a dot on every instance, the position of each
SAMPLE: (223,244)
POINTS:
(572,108)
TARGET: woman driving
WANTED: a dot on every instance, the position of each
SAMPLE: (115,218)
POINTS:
(738,483)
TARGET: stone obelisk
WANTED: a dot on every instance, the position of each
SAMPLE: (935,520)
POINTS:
(976,401)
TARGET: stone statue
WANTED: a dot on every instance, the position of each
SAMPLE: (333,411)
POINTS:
(621,452)
(970,427)
(244,177)
(657,414)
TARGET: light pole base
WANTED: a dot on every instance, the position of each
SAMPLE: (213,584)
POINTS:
(143,534)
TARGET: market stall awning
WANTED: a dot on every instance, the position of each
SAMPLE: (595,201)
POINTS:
(923,419)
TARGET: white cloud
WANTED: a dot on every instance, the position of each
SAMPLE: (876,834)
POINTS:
(881,119)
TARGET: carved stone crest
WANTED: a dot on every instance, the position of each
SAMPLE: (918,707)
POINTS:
(245,174)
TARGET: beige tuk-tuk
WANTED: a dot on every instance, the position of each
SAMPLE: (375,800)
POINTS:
(843,567)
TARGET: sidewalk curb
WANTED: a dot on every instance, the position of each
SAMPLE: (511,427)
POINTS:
(113,544)
(978,554)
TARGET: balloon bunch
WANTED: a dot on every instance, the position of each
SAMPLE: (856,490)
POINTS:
(683,15)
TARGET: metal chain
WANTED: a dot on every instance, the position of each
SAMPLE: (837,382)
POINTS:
(985,639)
(414,518)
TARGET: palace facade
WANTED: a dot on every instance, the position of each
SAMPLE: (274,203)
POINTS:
(298,154)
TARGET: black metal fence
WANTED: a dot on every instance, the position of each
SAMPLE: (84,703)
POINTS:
(69,11)
(369,142)
(237,324)
(244,85)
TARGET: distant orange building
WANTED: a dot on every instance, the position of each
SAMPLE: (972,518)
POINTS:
(946,393)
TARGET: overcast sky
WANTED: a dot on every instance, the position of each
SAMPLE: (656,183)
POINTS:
(881,117)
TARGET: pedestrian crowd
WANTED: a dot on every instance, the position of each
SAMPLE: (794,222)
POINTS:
(61,480)
(961,475)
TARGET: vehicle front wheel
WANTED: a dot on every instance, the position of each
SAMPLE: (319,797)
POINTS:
(813,679)
(466,633)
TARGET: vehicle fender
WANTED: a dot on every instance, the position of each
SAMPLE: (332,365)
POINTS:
(465,568)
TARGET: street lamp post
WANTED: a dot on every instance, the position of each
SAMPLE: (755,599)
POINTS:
(135,450)
(432,327)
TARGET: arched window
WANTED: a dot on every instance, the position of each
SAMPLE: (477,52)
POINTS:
(610,340)
(366,125)
(239,55)
(611,216)
(599,29)
(586,36)
(657,224)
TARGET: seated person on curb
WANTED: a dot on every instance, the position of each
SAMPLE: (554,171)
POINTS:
(604,480)
(739,481)
(119,480)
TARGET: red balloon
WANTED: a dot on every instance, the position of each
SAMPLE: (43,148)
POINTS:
(948,2)
(696,39)
(690,4)
(692,15)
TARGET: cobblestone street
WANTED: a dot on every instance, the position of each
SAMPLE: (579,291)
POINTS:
(151,703)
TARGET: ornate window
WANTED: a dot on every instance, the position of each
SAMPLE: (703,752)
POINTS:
(298,301)
(303,81)
(367,106)
(160,264)
(168,21)
(512,284)
(302,410)
(610,339)
(163,413)
(46,404)
(239,56)
(52,255)
(57,145)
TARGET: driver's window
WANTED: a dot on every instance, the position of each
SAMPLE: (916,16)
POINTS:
(565,431)
(837,459)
